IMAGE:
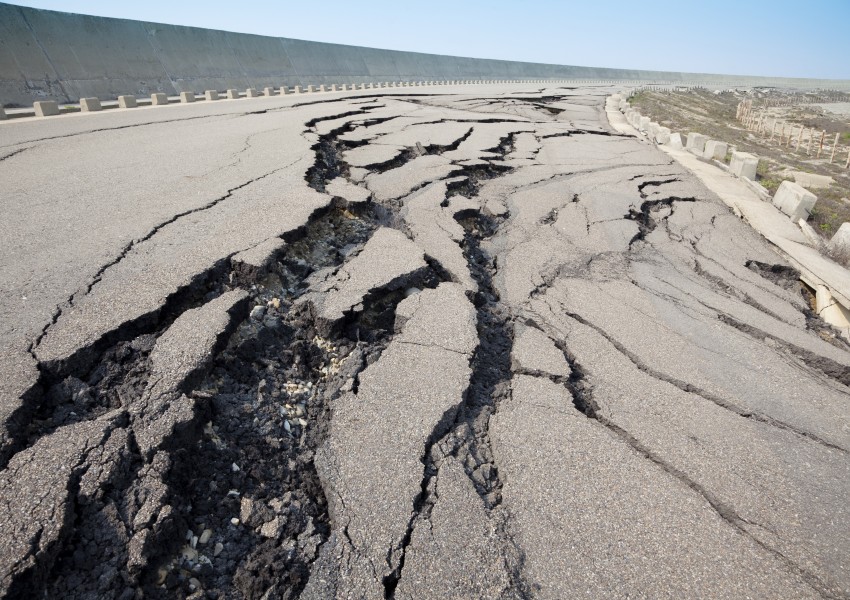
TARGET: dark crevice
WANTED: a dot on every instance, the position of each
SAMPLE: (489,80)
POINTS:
(654,183)
(328,163)
(114,370)
(69,390)
(285,373)
(733,291)
(783,276)
(275,368)
(409,154)
(463,432)
(692,389)
(550,218)
(789,279)
(827,366)
(123,254)
(401,159)
(23,585)
(574,132)
(647,217)
(14,153)
(584,402)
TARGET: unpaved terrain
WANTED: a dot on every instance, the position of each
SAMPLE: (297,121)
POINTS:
(425,345)
(714,115)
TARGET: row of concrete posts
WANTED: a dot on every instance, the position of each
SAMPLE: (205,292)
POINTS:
(47,108)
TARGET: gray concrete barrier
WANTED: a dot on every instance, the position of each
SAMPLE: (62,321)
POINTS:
(187,97)
(46,108)
(675,140)
(696,143)
(127,101)
(744,164)
(840,241)
(232,94)
(159,99)
(794,200)
(716,150)
(268,91)
(90,104)
(211,94)
(252,93)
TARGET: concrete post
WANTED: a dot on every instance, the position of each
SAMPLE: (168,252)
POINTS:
(232,94)
(297,89)
(834,146)
(716,150)
(744,165)
(311,89)
(252,93)
(159,99)
(662,136)
(322,88)
(89,104)
(284,90)
(211,94)
(794,200)
(269,91)
(333,87)
(2,114)
(127,101)
(186,97)
(696,142)
(46,108)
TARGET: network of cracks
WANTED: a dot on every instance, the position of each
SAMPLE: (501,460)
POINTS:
(227,500)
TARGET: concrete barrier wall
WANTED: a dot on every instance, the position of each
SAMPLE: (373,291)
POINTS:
(47,55)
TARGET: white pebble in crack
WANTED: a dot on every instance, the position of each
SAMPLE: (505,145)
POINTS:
(205,536)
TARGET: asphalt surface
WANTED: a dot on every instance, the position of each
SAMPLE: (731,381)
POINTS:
(428,343)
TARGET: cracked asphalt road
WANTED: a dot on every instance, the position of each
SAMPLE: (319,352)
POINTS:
(430,344)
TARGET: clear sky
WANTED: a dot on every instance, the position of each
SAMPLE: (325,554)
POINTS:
(747,37)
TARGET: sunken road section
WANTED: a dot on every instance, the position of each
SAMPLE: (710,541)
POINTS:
(404,346)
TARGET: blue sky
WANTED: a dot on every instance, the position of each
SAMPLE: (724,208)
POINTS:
(747,37)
